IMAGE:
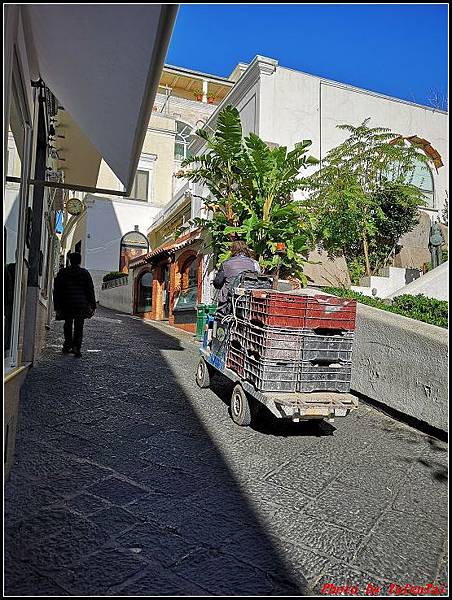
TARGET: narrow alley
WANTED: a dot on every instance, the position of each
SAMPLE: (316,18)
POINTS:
(130,480)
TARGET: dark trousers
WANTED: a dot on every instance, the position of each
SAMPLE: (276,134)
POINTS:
(73,341)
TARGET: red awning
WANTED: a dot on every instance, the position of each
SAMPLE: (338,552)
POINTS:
(166,249)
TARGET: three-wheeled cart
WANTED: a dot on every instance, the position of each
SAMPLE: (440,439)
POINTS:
(296,406)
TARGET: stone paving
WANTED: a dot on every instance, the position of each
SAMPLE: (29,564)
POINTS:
(129,480)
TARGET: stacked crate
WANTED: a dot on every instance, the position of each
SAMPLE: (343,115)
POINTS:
(289,342)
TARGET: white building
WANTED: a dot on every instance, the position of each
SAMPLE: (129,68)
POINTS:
(284,106)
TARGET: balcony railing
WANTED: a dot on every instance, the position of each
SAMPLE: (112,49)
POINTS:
(112,283)
(168,105)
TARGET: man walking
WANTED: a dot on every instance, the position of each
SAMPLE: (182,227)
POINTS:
(74,301)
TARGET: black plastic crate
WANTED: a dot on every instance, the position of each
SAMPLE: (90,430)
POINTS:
(274,343)
(324,376)
(241,305)
(333,347)
(235,359)
(271,375)
(238,333)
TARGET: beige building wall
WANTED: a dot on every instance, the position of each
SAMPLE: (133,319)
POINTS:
(160,140)
(108,216)
(107,179)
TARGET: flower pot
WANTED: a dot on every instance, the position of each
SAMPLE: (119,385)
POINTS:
(199,98)
(210,100)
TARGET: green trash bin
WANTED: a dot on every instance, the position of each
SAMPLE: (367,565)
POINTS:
(201,317)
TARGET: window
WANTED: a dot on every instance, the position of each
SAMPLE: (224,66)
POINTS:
(133,244)
(183,139)
(422,178)
(188,296)
(14,206)
(140,186)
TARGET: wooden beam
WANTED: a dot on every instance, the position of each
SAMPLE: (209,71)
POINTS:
(69,186)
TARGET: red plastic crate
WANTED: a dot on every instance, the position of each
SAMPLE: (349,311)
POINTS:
(330,312)
(274,309)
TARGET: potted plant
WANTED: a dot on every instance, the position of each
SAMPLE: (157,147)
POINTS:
(211,98)
(198,94)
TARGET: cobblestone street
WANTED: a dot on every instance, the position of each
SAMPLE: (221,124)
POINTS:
(130,480)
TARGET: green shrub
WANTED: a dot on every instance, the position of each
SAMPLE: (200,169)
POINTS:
(356,270)
(113,275)
(417,307)
(421,308)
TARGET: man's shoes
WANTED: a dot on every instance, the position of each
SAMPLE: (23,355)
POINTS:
(66,350)
(77,352)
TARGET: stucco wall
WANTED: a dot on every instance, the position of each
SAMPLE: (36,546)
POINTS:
(402,363)
(106,222)
(159,140)
(97,277)
(434,284)
(294,106)
(118,298)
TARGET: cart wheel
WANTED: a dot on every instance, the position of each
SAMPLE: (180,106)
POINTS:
(240,407)
(202,374)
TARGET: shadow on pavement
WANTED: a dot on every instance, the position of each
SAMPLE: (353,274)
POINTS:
(119,489)
(266,423)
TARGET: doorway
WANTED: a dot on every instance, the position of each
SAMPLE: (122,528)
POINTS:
(144,293)
(165,292)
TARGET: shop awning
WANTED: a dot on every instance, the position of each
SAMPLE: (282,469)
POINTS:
(103,63)
(166,249)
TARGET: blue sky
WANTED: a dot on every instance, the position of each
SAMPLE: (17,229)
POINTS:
(398,49)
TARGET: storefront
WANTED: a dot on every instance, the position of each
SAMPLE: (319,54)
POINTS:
(168,282)
(187,289)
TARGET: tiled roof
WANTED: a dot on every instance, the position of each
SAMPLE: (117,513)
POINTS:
(166,249)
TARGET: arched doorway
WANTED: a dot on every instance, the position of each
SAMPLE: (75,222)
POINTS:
(143,302)
(133,244)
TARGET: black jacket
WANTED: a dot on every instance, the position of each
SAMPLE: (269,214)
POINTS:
(73,294)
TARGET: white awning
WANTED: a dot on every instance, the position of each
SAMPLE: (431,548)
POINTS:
(103,64)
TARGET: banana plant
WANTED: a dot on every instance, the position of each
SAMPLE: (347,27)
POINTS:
(252,194)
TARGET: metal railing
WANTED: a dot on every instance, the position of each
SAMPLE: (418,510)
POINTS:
(112,283)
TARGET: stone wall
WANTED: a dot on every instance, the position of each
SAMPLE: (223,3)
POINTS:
(402,363)
(118,298)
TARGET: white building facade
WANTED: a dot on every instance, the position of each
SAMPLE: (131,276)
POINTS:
(284,106)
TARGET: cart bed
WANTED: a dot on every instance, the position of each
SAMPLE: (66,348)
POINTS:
(297,406)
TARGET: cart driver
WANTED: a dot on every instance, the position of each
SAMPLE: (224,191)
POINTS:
(241,261)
